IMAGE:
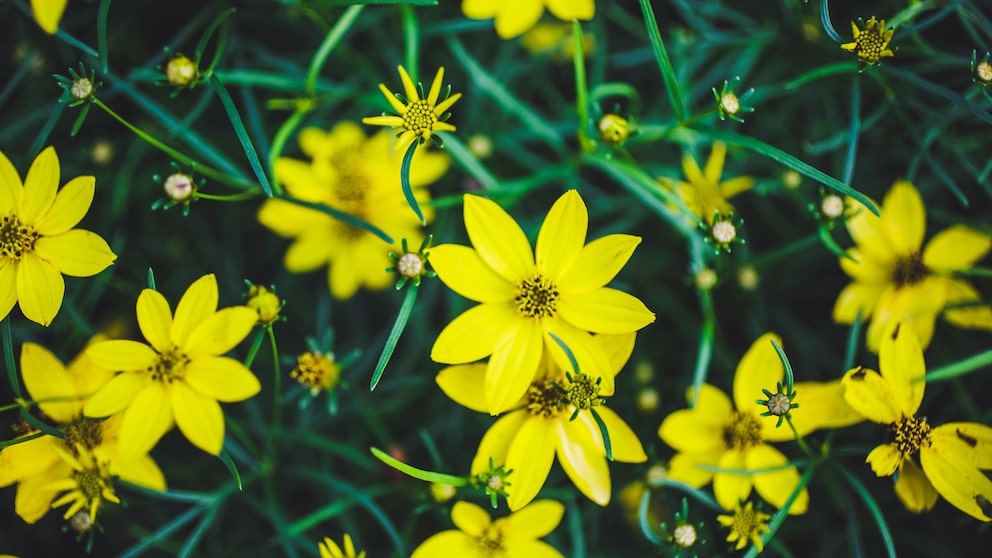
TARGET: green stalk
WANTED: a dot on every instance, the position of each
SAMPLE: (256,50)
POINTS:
(330,41)
(394,335)
(411,32)
(959,368)
(664,63)
(8,353)
(581,89)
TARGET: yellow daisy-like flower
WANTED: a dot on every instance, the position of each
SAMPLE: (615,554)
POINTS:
(61,392)
(703,193)
(896,278)
(516,17)
(526,440)
(38,243)
(418,118)
(524,300)
(179,376)
(48,13)
(952,455)
(747,524)
(478,536)
(357,175)
(88,486)
(871,43)
(330,549)
(714,435)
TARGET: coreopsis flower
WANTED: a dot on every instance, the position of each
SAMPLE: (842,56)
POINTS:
(60,393)
(952,455)
(704,194)
(48,13)
(417,118)
(871,41)
(516,18)
(513,536)
(746,525)
(330,549)
(525,300)
(180,375)
(356,175)
(547,422)
(38,243)
(717,442)
(896,278)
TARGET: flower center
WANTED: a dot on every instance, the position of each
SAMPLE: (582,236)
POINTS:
(724,232)
(730,103)
(779,404)
(490,542)
(870,44)
(16,238)
(410,265)
(87,433)
(170,366)
(420,118)
(909,434)
(832,206)
(909,270)
(743,432)
(684,535)
(90,483)
(537,297)
(316,371)
(583,392)
(543,399)
(748,522)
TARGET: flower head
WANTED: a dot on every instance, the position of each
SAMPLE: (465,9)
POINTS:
(704,194)
(981,69)
(746,524)
(87,487)
(181,72)
(265,301)
(38,243)
(478,536)
(871,41)
(728,104)
(330,549)
(952,456)
(180,375)
(896,278)
(316,371)
(48,13)
(418,117)
(613,129)
(524,299)
(513,19)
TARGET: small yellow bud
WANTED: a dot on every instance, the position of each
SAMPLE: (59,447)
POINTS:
(724,232)
(442,492)
(480,145)
(648,400)
(791,179)
(706,278)
(265,302)
(102,152)
(181,72)
(410,265)
(179,187)
(317,371)
(613,129)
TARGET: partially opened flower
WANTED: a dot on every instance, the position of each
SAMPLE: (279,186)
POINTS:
(417,118)
(38,243)
(746,526)
(702,192)
(516,18)
(526,299)
(527,439)
(871,41)
(180,375)
(952,455)
(330,549)
(48,13)
(478,536)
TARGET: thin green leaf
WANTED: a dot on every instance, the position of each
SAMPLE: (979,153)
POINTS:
(789,378)
(331,41)
(201,529)
(873,509)
(101,35)
(828,240)
(21,440)
(231,467)
(339,215)
(852,343)
(242,133)
(9,359)
(394,335)
(160,535)
(405,182)
(959,368)
(604,432)
(664,63)
(420,474)
(568,353)
(642,518)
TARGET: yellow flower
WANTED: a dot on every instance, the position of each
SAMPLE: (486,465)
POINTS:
(88,485)
(951,455)
(704,194)
(870,43)
(48,13)
(526,440)
(38,243)
(747,524)
(357,175)
(895,278)
(516,18)
(478,536)
(715,436)
(61,393)
(419,118)
(179,375)
(316,371)
(524,300)
(330,549)
(267,303)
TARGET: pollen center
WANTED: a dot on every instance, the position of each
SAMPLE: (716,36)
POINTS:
(543,399)
(90,483)
(743,432)
(16,238)
(420,118)
(583,392)
(490,542)
(869,45)
(537,297)
(316,371)
(909,270)
(909,435)
(170,366)
(87,433)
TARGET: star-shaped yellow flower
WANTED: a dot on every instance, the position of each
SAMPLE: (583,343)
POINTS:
(478,536)
(418,118)
(871,43)
(702,192)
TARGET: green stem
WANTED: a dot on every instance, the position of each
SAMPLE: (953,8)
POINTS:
(799,440)
(416,473)
(697,117)
(664,63)
(959,368)
(411,31)
(581,89)
(394,335)
(705,350)
(21,440)
(276,384)
(246,195)
(332,39)
(255,345)
(8,353)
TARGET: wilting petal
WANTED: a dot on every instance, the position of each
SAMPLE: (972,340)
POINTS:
(146,420)
(585,465)
(605,311)
(598,263)
(496,442)
(155,319)
(221,378)
(731,488)
(959,482)
(967,442)
(40,289)
(900,360)
(513,365)
(759,368)
(464,384)
(868,393)
(498,239)
(904,218)
(562,235)
(885,460)
(199,417)
(463,271)
(956,248)
(914,489)
(198,302)
(530,456)
(775,487)
(475,333)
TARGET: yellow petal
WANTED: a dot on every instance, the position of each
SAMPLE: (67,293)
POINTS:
(914,489)
(48,13)
(221,378)
(26,459)
(49,383)
(869,233)
(731,488)
(118,394)
(463,271)
(470,518)
(900,360)
(70,206)
(714,165)
(885,460)
(496,442)
(40,186)
(626,447)
(408,86)
(197,304)
(871,395)
(146,420)
(435,91)
(735,186)
(77,253)
(759,368)
(311,250)
(537,520)
(142,471)
(585,465)
(775,487)
(447,543)
(221,331)
(480,9)
(863,269)
(964,306)
(35,494)
(8,286)
(121,354)
(617,349)
(386,120)
(598,263)
(956,249)
(693,431)
(498,239)
(605,311)
(567,10)
(917,304)
(198,417)
(562,235)
(685,467)
(530,456)
(959,482)
(904,218)
(513,365)
(475,333)
(516,17)
(155,319)
(464,384)
(11,189)
(40,289)
(855,298)
(968,442)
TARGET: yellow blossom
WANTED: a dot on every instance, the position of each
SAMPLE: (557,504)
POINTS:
(516,18)
(478,536)
(330,549)
(418,118)
(746,525)
(704,194)
(48,13)
(871,43)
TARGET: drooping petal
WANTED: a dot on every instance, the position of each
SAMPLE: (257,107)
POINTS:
(904,218)
(500,242)
(220,332)
(198,302)
(221,378)
(585,465)
(463,271)
(900,360)
(626,447)
(530,456)
(914,489)
(122,354)
(11,189)
(968,442)
(70,206)
(8,286)
(118,394)
(759,368)
(885,459)
(146,420)
(959,482)
(516,17)
(198,417)
(956,248)
(965,309)
(598,263)
(562,235)
(729,486)
(513,365)
(605,311)
(464,384)
(536,520)
(496,442)
(475,333)
(155,319)
(77,253)
(40,186)
(775,487)
(40,289)
(49,383)
(447,543)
